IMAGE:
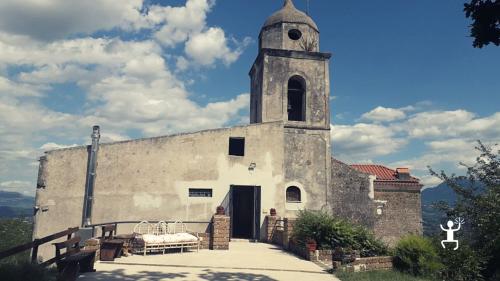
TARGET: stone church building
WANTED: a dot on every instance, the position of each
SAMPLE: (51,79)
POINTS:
(282,160)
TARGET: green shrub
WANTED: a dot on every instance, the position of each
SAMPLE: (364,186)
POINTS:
(418,256)
(24,271)
(330,232)
(381,275)
(14,232)
(461,265)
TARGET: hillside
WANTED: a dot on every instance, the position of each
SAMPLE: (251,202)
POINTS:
(430,216)
(14,204)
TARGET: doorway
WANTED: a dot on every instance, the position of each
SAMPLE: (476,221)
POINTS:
(245,212)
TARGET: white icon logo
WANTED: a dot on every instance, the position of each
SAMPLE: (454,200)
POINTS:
(450,232)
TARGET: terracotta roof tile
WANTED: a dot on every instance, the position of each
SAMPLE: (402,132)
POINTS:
(383,173)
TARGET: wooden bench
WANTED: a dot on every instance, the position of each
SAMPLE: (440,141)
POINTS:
(111,248)
(73,260)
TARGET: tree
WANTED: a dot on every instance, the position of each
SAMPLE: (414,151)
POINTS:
(485,15)
(478,202)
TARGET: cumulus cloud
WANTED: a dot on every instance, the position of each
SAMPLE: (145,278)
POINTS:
(437,123)
(206,47)
(55,19)
(448,138)
(384,114)
(364,141)
(180,22)
(24,187)
(128,80)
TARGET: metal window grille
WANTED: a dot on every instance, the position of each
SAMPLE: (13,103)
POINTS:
(200,192)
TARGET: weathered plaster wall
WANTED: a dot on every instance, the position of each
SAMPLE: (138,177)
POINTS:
(60,200)
(148,179)
(401,214)
(276,37)
(307,165)
(350,195)
(277,71)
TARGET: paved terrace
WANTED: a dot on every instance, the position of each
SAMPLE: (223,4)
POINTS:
(244,261)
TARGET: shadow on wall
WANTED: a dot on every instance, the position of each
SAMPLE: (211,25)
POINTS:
(119,274)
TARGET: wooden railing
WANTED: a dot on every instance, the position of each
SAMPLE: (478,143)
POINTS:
(36,243)
(69,232)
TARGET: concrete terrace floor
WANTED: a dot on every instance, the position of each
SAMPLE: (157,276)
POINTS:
(244,261)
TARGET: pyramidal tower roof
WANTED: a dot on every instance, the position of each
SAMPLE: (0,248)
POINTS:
(290,14)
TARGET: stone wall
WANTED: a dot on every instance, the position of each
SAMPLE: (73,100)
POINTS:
(399,213)
(350,195)
(366,264)
(306,166)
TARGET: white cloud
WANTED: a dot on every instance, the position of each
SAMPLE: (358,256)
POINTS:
(127,84)
(429,181)
(208,46)
(384,114)
(364,141)
(53,146)
(181,22)
(55,19)
(448,137)
(437,123)
(24,187)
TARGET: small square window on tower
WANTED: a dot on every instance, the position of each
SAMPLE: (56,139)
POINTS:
(237,146)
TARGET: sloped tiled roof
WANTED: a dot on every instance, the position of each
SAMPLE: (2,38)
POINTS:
(381,172)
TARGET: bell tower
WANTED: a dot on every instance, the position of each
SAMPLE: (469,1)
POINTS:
(290,77)
(290,83)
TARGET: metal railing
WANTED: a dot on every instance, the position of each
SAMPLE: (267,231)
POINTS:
(117,223)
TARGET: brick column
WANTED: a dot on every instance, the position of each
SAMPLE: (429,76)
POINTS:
(287,231)
(271,224)
(220,233)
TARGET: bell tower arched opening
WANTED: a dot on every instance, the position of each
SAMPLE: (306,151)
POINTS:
(296,99)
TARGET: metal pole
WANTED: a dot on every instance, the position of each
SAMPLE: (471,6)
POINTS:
(91,174)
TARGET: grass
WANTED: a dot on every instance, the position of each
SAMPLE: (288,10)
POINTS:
(377,276)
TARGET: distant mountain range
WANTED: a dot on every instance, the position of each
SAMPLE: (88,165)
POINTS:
(432,217)
(14,204)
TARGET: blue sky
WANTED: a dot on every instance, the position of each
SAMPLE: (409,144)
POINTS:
(408,89)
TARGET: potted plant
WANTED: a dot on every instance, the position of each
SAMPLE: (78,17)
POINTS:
(311,245)
(220,210)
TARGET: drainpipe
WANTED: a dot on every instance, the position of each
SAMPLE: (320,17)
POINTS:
(91,174)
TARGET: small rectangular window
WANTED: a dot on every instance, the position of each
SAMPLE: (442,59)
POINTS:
(200,192)
(237,146)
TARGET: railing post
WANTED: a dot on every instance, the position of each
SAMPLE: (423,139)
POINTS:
(34,252)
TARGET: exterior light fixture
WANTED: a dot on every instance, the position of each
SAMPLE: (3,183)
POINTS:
(252,167)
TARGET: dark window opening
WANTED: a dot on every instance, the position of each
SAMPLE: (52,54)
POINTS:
(200,192)
(296,99)
(294,34)
(237,146)
(293,194)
